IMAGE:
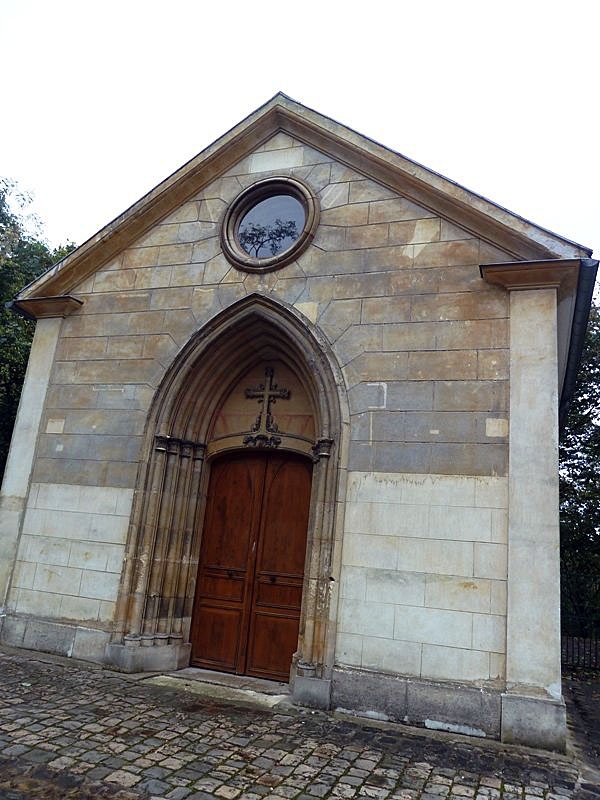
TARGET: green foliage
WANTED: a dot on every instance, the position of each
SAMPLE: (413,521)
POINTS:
(23,256)
(580,493)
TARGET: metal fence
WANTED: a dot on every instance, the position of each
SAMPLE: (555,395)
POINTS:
(580,642)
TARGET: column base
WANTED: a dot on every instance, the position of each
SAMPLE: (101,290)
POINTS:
(534,721)
(312,692)
(167,658)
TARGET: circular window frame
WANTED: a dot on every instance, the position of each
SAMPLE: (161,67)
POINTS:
(247,199)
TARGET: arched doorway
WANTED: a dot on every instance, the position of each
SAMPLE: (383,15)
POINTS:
(154,610)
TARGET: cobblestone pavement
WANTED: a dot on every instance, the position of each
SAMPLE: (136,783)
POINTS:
(68,730)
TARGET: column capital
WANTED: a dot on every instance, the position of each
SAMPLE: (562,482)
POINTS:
(552,273)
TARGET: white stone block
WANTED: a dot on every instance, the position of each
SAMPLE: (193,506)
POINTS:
(491,492)
(386,519)
(67,524)
(38,603)
(107,611)
(498,598)
(460,524)
(88,555)
(45,550)
(23,575)
(99,585)
(403,658)
(375,487)
(375,619)
(82,609)
(497,666)
(449,663)
(354,583)
(499,526)
(124,498)
(489,633)
(435,556)
(111,529)
(272,160)
(434,626)
(490,561)
(348,649)
(62,580)
(370,551)
(443,490)
(58,497)
(458,594)
(115,554)
(390,586)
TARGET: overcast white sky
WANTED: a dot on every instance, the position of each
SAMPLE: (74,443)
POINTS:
(102,100)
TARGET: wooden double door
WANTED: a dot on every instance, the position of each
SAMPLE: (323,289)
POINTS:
(249,586)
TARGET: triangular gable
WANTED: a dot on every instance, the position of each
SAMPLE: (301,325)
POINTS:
(515,235)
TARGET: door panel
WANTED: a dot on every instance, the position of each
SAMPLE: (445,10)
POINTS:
(275,612)
(249,586)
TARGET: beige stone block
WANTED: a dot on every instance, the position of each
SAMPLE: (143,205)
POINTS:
(108,303)
(402,658)
(496,428)
(456,364)
(398,208)
(348,649)
(153,277)
(161,234)
(357,214)
(381,366)
(374,619)
(125,346)
(449,663)
(175,254)
(55,425)
(459,305)
(460,524)
(309,310)
(195,231)
(341,173)
(23,575)
(472,333)
(409,336)
(216,269)
(206,249)
(390,586)
(364,191)
(317,176)
(336,194)
(493,365)
(435,556)
(367,550)
(353,583)
(188,212)
(458,594)
(115,280)
(224,189)
(186,275)
(385,309)
(75,348)
(82,609)
(490,561)
(490,396)
(489,633)
(433,626)
(312,156)
(212,209)
(59,579)
(44,604)
(174,297)
(280,141)
(274,160)
(414,231)
(140,257)
(387,519)
(329,237)
(450,231)
(367,236)
(99,585)
(446,254)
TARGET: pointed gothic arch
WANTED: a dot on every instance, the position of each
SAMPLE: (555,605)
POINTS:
(153,614)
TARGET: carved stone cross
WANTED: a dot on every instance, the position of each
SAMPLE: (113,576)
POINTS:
(266,393)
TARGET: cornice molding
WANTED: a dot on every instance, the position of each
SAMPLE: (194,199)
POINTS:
(45,307)
(520,275)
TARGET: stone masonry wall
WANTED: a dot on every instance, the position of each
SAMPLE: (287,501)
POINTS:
(422,342)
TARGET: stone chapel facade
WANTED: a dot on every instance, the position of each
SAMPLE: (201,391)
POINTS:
(295,415)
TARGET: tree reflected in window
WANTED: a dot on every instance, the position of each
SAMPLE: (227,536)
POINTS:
(271,226)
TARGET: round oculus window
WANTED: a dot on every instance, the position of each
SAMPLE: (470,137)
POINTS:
(269,224)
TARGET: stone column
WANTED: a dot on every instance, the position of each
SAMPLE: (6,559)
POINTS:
(15,484)
(533,711)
